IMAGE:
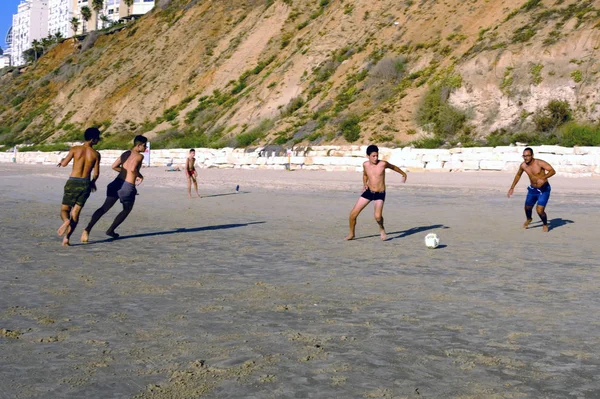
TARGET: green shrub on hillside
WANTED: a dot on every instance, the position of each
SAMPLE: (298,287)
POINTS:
(249,137)
(554,114)
(350,128)
(572,134)
(437,115)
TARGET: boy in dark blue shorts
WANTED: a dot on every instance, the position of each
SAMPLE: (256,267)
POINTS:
(539,189)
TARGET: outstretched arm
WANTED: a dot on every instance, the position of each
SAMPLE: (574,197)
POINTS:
(515,181)
(65,161)
(396,169)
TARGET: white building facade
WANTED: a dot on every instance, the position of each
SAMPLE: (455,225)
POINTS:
(29,24)
(60,13)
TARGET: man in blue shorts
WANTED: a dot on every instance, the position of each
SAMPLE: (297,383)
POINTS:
(539,189)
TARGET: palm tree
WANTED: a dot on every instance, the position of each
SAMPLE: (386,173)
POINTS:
(37,47)
(105,21)
(58,37)
(74,25)
(97,5)
(86,14)
(128,3)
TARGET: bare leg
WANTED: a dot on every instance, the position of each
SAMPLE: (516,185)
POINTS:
(542,214)
(379,218)
(196,186)
(64,215)
(108,203)
(189,181)
(72,224)
(360,205)
(127,207)
(528,211)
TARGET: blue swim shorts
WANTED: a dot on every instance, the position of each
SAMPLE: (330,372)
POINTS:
(540,195)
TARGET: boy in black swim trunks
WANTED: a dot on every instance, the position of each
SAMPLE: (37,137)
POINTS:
(79,186)
(122,188)
(374,185)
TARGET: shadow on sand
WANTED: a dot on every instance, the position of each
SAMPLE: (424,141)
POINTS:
(552,224)
(176,231)
(221,195)
(408,232)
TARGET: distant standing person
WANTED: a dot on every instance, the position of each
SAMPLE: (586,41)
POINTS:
(190,172)
(122,188)
(374,186)
(79,186)
(539,190)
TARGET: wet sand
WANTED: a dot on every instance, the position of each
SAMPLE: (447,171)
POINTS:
(256,294)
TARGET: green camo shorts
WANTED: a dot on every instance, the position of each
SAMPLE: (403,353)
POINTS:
(77,191)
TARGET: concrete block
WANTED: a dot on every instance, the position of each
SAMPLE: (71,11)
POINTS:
(434,165)
(491,165)
(453,165)
(470,165)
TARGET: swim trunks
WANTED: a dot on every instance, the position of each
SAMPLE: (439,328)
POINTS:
(540,195)
(374,195)
(127,193)
(191,172)
(77,191)
(112,190)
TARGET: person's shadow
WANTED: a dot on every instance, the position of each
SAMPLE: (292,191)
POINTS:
(408,232)
(176,231)
(221,195)
(553,223)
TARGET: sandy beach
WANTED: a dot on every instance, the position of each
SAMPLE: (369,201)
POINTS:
(255,294)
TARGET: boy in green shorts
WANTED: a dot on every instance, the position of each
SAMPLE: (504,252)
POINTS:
(79,186)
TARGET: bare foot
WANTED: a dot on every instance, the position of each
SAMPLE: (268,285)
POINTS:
(383,236)
(85,236)
(63,228)
(65,242)
(112,234)
(545,228)
(349,237)
(526,224)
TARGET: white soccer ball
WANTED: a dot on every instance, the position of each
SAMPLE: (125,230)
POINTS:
(432,240)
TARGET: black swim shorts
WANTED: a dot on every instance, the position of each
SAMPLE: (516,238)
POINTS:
(374,195)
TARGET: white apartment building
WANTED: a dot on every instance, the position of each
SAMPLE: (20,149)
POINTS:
(29,24)
(60,13)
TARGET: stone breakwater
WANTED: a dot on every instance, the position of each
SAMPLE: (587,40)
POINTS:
(576,161)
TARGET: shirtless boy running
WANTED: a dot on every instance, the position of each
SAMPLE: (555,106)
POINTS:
(79,186)
(539,190)
(374,185)
(190,172)
(122,188)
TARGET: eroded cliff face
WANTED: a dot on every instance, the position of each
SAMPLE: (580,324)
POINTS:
(239,72)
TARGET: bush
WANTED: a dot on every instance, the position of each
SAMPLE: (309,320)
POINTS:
(350,128)
(428,142)
(554,114)
(389,69)
(295,104)
(245,139)
(437,115)
(572,134)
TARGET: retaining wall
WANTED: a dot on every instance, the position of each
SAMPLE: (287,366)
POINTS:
(577,161)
